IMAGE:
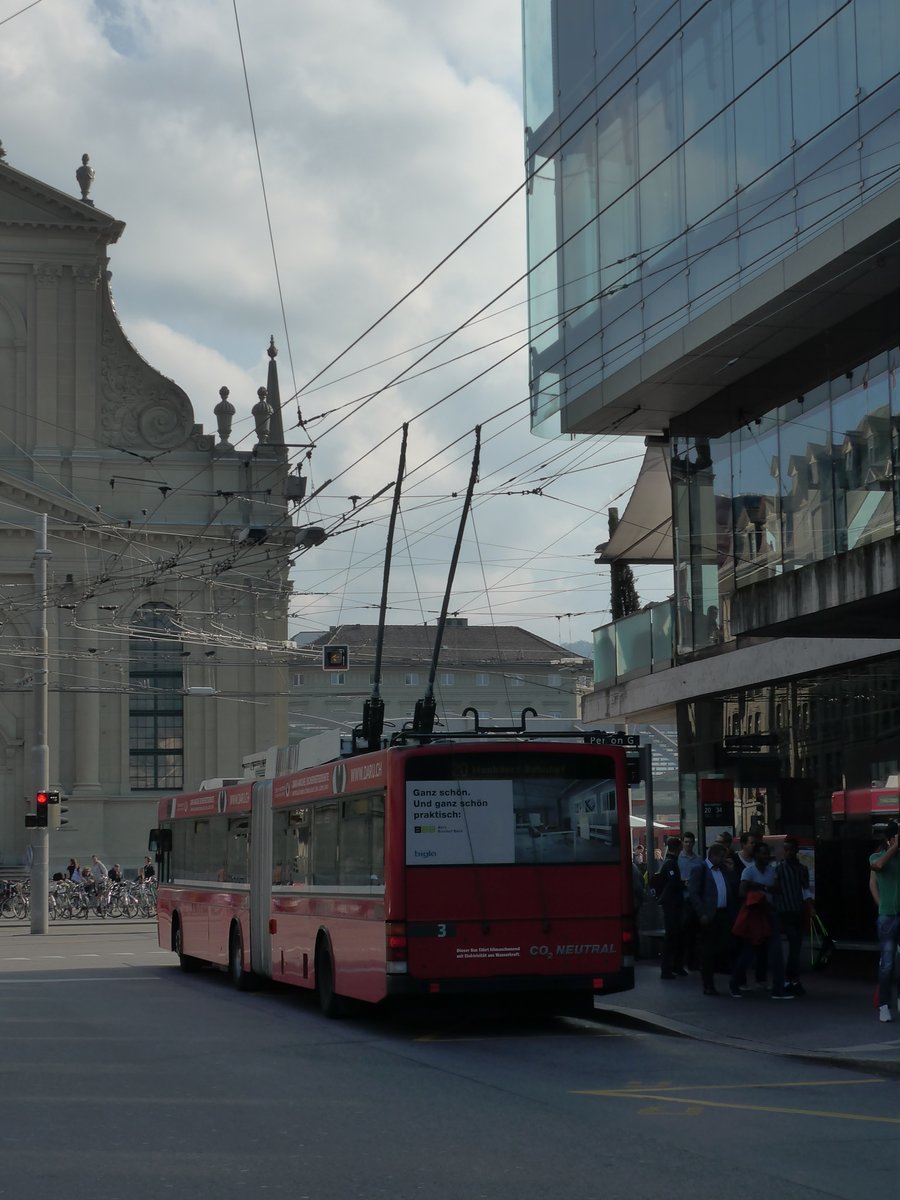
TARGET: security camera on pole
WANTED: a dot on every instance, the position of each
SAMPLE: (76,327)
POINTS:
(40,750)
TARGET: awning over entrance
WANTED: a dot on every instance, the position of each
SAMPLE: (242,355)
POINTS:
(644,533)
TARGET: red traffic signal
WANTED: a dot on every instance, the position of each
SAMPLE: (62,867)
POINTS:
(42,808)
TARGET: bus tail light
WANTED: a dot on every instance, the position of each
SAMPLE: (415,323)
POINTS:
(396,947)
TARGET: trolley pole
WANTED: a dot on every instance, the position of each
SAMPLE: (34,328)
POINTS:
(40,750)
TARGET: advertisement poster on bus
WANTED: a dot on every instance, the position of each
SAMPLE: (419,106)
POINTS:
(451,824)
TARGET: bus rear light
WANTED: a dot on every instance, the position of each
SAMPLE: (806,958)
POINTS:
(599,984)
(396,941)
(273,925)
(434,987)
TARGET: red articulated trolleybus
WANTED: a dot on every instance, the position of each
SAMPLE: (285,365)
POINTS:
(493,861)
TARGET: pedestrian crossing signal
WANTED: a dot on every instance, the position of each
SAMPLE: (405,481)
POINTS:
(42,809)
(335,658)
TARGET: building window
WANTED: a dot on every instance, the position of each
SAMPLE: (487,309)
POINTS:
(411,678)
(155,702)
(296,679)
(482,680)
(554,681)
(337,678)
(447,679)
(517,680)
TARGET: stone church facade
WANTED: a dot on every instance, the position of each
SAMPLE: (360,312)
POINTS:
(167,587)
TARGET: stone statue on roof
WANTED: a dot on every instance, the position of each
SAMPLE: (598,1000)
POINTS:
(85,177)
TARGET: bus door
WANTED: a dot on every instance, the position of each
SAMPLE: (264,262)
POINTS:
(261,878)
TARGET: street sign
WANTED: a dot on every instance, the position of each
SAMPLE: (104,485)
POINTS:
(602,738)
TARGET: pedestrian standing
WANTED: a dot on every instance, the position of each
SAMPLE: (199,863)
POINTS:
(885,863)
(758,887)
(669,893)
(791,901)
(709,896)
(688,862)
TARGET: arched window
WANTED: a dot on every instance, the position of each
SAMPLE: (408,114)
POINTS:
(155,702)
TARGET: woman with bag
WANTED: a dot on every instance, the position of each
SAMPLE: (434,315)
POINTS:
(757,924)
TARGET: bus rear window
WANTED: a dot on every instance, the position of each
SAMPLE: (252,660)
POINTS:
(528,808)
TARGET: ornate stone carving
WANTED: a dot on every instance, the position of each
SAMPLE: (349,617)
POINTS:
(87,275)
(48,273)
(140,408)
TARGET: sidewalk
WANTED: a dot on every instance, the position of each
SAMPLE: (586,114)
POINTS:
(836,1022)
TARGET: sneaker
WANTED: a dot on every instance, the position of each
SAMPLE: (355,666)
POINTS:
(735,993)
(711,991)
(668,975)
(745,987)
(781,996)
(796,988)
(682,973)
(884,1014)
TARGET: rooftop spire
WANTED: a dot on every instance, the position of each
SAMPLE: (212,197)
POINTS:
(274,397)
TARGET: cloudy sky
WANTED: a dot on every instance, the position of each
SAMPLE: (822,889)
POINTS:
(387,131)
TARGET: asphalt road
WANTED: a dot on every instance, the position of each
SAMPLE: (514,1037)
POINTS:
(123,1075)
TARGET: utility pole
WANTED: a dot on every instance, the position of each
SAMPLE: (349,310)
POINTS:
(40,750)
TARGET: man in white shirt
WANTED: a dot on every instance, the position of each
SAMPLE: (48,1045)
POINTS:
(709,896)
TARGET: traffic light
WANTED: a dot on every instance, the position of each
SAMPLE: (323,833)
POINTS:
(53,810)
(42,809)
(335,658)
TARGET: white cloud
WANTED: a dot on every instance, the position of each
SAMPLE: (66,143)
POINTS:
(388,129)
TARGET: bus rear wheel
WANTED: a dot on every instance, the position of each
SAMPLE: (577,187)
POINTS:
(185,961)
(240,978)
(330,1003)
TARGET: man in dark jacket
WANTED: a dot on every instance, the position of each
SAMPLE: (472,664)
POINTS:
(669,891)
(711,893)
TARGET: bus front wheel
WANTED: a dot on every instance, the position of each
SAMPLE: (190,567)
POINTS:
(330,1002)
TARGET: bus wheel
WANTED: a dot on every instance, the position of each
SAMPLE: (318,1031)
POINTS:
(185,961)
(330,1003)
(236,973)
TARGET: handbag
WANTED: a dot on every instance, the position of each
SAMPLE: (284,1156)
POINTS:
(821,943)
(753,922)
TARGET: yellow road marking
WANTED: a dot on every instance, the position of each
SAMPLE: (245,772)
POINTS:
(796,1112)
(723,1087)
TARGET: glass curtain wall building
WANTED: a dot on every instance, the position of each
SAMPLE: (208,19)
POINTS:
(678,150)
(714,253)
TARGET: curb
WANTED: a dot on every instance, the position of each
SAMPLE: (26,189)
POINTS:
(653,1023)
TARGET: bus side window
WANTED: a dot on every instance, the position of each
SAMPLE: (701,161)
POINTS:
(325,844)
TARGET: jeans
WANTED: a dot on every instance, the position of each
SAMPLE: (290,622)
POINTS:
(772,949)
(888,940)
(792,926)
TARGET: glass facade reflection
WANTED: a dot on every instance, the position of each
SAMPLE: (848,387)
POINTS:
(678,149)
(801,483)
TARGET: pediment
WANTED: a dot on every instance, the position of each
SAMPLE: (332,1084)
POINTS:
(29,203)
(18,494)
